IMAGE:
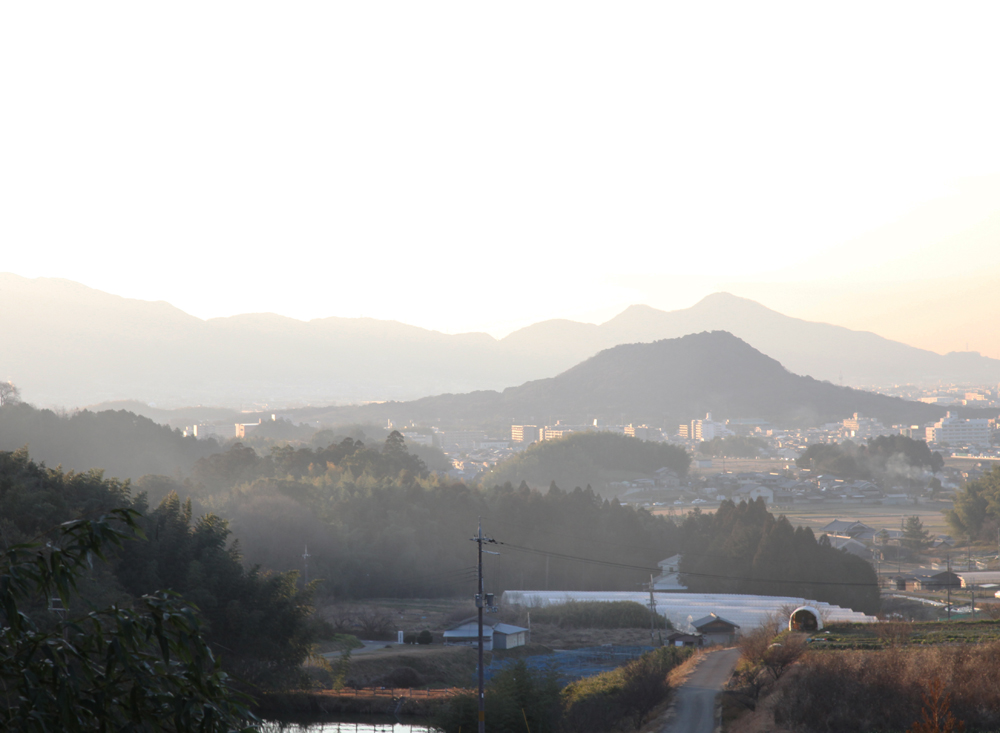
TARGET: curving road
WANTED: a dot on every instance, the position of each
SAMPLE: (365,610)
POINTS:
(694,702)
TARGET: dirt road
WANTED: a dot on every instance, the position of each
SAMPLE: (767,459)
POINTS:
(694,704)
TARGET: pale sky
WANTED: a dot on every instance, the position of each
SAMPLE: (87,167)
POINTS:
(462,166)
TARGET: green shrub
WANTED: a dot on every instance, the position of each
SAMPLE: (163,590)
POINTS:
(600,703)
(598,615)
(517,699)
(425,637)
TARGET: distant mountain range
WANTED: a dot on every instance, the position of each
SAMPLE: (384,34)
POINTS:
(662,383)
(66,344)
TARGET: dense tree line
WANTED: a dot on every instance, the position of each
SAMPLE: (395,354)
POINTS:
(594,458)
(258,623)
(241,463)
(371,538)
(378,524)
(743,548)
(888,457)
(374,529)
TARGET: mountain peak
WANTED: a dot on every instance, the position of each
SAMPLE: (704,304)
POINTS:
(725,300)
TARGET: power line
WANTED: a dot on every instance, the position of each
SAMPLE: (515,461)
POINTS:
(640,548)
(608,563)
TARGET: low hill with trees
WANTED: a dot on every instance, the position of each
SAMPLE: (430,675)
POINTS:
(588,459)
(662,383)
(120,443)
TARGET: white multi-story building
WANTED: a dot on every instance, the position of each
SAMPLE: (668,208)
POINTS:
(705,430)
(860,426)
(953,430)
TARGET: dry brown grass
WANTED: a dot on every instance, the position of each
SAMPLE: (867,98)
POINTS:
(894,633)
(437,666)
(558,638)
(834,692)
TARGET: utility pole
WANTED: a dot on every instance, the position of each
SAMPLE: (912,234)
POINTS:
(305,561)
(482,599)
(652,612)
(949,586)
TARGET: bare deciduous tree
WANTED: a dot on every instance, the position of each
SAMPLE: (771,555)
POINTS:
(341,618)
(375,623)
(9,394)
(779,657)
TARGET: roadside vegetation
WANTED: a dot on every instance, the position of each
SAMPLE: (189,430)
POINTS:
(619,700)
(892,676)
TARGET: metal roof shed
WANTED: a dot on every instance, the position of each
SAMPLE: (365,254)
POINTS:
(506,636)
(467,634)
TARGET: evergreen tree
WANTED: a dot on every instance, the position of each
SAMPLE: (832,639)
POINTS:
(143,669)
(915,536)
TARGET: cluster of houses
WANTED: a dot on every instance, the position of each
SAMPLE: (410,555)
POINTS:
(781,489)
(864,541)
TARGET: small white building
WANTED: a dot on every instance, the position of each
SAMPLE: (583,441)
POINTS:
(507,636)
(669,577)
(467,634)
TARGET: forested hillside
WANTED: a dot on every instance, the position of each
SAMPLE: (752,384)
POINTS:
(378,524)
(663,383)
(259,624)
(375,529)
(120,443)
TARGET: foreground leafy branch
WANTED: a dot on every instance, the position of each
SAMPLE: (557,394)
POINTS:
(141,669)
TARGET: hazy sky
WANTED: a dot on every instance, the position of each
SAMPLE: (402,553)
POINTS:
(463,166)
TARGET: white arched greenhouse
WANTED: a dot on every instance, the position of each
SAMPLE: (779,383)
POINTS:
(681,609)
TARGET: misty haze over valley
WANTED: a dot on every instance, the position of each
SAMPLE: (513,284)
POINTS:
(562,368)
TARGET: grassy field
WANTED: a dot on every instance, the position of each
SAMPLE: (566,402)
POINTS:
(764,465)
(884,635)
(874,515)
